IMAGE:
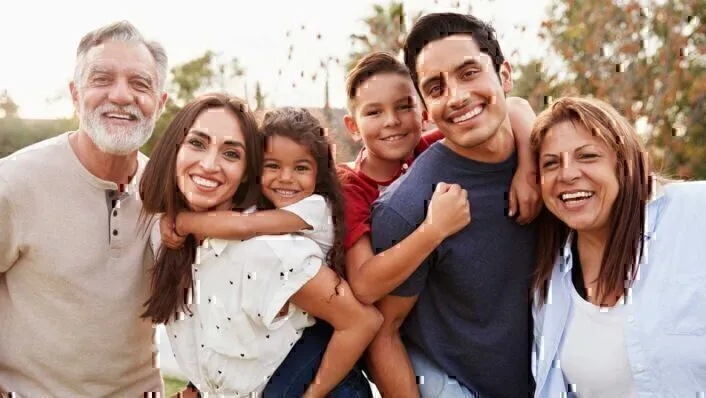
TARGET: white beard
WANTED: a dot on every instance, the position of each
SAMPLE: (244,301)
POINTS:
(116,140)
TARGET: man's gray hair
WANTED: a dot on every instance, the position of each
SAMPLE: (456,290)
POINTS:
(119,31)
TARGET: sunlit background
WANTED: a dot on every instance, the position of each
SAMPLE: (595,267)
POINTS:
(646,57)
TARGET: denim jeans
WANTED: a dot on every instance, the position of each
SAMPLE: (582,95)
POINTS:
(297,371)
(433,381)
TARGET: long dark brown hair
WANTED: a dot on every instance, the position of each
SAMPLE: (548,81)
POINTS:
(302,127)
(171,275)
(619,263)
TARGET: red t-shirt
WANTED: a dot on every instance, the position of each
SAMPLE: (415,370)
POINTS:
(360,190)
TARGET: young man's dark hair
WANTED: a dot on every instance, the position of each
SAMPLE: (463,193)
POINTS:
(439,26)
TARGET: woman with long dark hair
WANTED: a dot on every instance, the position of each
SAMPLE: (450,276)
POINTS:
(234,309)
(619,302)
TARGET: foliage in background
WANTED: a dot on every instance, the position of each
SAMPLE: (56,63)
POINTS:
(645,57)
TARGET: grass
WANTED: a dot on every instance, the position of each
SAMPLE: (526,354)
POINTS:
(173,385)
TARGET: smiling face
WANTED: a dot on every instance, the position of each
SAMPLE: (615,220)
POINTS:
(211,161)
(289,171)
(117,98)
(462,92)
(387,116)
(578,177)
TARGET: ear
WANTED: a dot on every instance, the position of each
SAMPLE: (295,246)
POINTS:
(162,102)
(74,95)
(506,76)
(352,127)
(425,120)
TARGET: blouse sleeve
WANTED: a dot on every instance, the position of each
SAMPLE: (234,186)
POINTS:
(312,210)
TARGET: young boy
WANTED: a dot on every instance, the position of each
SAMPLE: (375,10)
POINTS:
(385,113)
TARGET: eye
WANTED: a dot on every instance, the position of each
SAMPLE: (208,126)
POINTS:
(549,163)
(234,155)
(142,85)
(271,166)
(588,156)
(302,168)
(406,107)
(196,143)
(373,112)
(434,91)
(100,80)
(469,73)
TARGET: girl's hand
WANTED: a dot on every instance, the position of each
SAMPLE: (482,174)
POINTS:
(448,211)
(525,196)
(170,238)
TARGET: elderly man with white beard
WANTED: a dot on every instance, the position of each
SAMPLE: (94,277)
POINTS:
(74,260)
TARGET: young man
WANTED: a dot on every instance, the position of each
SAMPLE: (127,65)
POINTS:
(464,312)
(73,263)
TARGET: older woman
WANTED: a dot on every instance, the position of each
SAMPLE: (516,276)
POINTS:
(620,283)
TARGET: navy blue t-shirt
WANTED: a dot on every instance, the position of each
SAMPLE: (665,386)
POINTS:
(472,314)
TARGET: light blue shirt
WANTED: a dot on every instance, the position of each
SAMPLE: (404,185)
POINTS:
(665,324)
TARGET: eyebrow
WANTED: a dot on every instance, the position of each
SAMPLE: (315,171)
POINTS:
(97,69)
(93,69)
(210,138)
(406,98)
(575,150)
(274,159)
(429,80)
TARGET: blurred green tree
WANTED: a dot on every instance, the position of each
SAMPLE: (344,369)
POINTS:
(645,57)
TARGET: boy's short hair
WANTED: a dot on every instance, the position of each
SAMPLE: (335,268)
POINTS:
(370,65)
(438,26)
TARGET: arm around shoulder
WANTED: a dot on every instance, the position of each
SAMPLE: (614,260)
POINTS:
(233,225)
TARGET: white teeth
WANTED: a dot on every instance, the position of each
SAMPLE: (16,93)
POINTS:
(120,116)
(472,113)
(285,192)
(576,195)
(394,138)
(204,182)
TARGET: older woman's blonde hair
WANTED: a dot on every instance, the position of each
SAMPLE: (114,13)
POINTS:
(627,217)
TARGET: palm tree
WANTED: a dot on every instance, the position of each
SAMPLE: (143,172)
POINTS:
(386,31)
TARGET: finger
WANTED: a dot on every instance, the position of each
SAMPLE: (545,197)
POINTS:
(454,188)
(524,212)
(441,187)
(512,203)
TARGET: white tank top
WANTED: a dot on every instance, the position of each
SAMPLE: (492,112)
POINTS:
(594,358)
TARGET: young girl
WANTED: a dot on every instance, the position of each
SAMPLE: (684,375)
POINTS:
(234,309)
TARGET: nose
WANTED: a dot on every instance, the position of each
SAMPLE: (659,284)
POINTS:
(391,119)
(285,175)
(209,162)
(568,171)
(458,96)
(120,93)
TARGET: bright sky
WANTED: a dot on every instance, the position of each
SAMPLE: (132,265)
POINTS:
(39,39)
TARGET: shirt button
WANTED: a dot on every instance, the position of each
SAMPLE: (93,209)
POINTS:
(115,213)
(115,232)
